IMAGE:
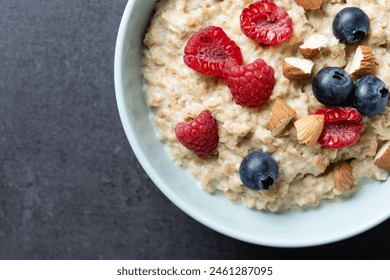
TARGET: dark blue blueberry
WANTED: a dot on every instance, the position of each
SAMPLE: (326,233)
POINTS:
(258,171)
(370,96)
(351,25)
(333,86)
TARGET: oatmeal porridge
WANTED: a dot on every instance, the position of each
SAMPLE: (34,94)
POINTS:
(308,173)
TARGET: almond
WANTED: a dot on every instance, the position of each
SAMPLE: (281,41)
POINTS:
(363,63)
(382,158)
(281,116)
(343,176)
(310,4)
(297,68)
(313,45)
(309,129)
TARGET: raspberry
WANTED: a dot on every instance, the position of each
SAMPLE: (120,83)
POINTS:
(342,128)
(266,23)
(251,85)
(209,49)
(199,135)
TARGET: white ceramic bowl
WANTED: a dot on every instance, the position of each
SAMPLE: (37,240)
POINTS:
(328,223)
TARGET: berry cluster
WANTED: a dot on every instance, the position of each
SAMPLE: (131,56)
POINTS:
(333,87)
(211,52)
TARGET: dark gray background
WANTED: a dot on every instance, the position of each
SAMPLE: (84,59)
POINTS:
(70,186)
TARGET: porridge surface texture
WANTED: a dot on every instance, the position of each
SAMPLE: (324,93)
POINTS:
(175,93)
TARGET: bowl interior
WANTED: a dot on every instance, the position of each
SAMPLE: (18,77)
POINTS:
(331,222)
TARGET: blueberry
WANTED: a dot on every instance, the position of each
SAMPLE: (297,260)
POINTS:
(258,171)
(351,25)
(333,86)
(370,96)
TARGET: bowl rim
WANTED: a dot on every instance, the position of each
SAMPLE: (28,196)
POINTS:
(174,198)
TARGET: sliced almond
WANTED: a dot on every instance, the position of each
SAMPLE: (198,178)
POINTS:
(310,4)
(363,63)
(313,45)
(382,158)
(297,68)
(281,116)
(343,176)
(309,129)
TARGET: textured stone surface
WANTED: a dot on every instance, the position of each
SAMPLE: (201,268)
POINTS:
(70,186)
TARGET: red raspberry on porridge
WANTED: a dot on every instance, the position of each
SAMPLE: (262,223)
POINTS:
(208,50)
(200,135)
(251,85)
(266,23)
(342,128)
